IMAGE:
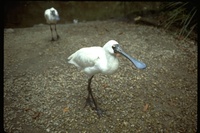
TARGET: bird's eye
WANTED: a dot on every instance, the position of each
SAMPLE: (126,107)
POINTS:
(113,46)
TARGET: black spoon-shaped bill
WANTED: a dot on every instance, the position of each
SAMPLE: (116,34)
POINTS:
(138,64)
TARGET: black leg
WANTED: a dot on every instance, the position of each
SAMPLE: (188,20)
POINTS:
(51,33)
(88,100)
(57,33)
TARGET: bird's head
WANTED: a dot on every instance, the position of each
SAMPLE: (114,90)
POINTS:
(54,13)
(113,47)
(109,46)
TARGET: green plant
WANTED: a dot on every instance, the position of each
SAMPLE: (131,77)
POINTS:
(181,14)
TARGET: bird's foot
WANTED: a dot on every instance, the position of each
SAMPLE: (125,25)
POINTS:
(100,112)
(52,39)
(58,37)
(88,102)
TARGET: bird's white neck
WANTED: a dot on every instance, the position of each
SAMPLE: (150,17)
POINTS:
(112,63)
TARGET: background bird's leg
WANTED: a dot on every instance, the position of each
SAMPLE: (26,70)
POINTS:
(57,33)
(51,33)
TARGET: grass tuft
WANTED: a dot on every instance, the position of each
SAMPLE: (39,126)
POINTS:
(183,16)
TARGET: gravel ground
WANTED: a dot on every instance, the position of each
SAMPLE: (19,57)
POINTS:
(43,93)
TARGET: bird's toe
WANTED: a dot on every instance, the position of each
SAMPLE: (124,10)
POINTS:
(88,102)
(58,37)
(100,112)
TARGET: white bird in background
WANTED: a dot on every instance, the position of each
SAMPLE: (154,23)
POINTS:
(51,16)
(94,60)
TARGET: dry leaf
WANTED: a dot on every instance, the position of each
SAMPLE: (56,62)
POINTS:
(66,109)
(146,107)
(37,114)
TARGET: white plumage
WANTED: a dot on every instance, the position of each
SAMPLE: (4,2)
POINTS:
(51,15)
(94,60)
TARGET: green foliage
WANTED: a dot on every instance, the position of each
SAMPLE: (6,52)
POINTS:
(182,14)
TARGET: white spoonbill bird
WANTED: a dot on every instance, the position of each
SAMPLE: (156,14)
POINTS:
(51,16)
(94,60)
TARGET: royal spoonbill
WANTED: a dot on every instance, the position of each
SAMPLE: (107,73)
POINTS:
(51,16)
(94,60)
